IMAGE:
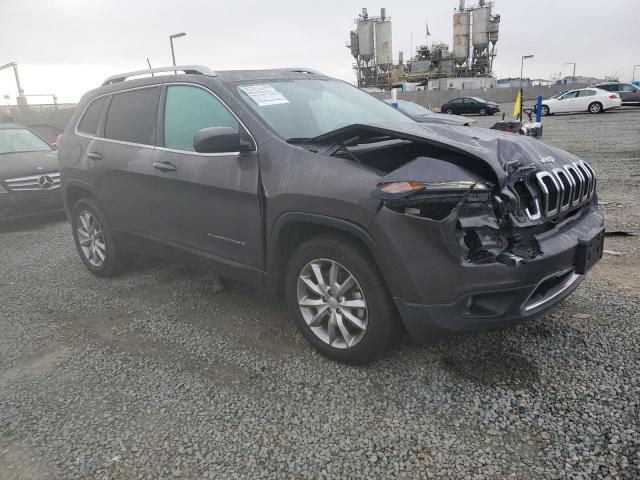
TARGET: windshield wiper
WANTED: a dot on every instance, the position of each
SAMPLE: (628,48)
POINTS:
(296,140)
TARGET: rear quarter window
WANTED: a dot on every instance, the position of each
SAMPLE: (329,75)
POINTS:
(91,118)
(132,116)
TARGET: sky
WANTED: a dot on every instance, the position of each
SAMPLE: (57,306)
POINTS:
(67,47)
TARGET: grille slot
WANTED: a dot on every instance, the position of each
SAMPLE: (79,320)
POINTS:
(33,183)
(560,190)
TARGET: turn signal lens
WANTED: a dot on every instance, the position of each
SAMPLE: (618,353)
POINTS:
(400,187)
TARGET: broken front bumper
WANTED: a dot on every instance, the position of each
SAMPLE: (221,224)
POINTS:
(435,290)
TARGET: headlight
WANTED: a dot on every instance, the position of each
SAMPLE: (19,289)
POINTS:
(405,187)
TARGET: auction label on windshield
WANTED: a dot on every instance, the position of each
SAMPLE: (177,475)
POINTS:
(264,95)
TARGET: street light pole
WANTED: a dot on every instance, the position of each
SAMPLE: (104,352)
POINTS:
(171,37)
(524,57)
(573,77)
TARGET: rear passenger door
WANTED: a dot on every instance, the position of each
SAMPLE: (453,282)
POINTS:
(209,202)
(121,161)
(585,97)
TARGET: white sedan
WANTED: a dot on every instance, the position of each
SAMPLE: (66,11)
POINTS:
(593,100)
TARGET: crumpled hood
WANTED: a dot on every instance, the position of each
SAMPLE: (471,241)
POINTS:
(14,165)
(503,152)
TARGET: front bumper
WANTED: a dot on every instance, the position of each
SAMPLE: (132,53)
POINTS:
(25,204)
(436,292)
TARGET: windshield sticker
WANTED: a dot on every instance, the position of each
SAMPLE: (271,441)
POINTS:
(264,95)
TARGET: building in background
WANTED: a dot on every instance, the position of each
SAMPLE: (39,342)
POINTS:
(435,66)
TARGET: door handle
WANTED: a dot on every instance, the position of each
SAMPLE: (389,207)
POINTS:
(94,155)
(165,166)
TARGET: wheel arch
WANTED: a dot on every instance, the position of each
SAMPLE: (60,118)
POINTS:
(74,191)
(292,229)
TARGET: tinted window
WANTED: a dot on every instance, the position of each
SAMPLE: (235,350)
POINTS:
(188,110)
(132,116)
(608,88)
(627,88)
(456,101)
(586,93)
(91,117)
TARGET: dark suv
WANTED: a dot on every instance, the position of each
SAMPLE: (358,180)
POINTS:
(629,93)
(304,185)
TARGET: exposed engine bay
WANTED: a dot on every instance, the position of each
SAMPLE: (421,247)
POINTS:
(489,213)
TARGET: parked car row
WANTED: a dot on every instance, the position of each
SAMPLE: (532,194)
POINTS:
(303,185)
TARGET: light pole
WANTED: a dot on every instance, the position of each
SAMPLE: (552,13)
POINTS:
(573,77)
(634,72)
(171,37)
(524,57)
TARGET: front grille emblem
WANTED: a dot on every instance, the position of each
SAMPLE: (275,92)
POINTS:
(45,182)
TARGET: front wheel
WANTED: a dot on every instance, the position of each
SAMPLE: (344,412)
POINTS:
(483,112)
(595,107)
(545,111)
(339,300)
(94,239)
(448,111)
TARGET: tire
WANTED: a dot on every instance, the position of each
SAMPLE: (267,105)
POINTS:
(377,326)
(483,112)
(545,111)
(111,260)
(595,107)
(448,111)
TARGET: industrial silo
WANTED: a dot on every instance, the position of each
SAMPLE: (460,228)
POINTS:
(461,33)
(365,31)
(384,51)
(481,20)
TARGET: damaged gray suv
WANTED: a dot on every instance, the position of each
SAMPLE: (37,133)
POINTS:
(368,222)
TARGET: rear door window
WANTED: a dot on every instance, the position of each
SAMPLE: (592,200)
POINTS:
(188,110)
(132,116)
(91,118)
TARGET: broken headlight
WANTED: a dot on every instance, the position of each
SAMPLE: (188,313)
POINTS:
(435,200)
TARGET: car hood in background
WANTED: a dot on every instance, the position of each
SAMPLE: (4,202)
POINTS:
(14,165)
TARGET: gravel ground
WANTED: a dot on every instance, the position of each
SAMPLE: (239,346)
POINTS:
(154,374)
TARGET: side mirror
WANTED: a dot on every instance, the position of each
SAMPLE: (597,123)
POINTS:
(220,140)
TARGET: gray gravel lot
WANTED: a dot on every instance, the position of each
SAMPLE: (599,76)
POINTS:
(155,375)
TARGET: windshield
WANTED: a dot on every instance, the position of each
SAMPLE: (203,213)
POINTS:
(302,109)
(17,140)
(413,108)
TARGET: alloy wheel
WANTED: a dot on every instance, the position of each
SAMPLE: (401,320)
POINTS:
(332,303)
(91,238)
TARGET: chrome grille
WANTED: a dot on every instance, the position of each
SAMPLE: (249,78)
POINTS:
(561,189)
(33,183)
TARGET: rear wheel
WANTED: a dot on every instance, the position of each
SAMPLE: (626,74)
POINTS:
(595,107)
(339,300)
(94,239)
(448,111)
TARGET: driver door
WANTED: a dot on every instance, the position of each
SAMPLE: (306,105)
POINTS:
(209,201)
(567,102)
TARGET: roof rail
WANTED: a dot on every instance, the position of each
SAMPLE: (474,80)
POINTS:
(191,69)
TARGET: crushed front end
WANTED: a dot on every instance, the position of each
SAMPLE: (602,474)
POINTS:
(475,254)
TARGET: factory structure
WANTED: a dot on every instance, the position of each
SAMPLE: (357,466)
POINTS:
(469,64)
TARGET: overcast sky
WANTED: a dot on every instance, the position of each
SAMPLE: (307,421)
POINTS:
(67,47)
